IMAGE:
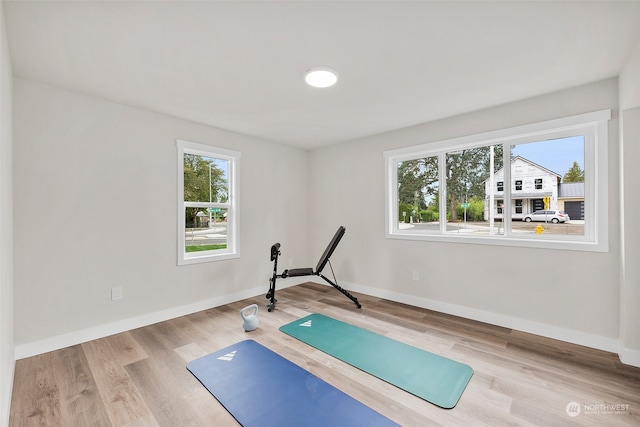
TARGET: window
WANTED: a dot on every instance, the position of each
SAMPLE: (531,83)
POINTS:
(207,203)
(454,190)
(519,205)
(538,184)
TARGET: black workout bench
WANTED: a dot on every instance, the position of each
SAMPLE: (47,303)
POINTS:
(297,272)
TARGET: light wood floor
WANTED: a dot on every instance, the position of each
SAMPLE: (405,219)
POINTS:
(138,378)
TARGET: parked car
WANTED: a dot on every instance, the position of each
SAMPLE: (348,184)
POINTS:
(547,216)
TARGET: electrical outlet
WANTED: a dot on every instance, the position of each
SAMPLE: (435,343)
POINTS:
(416,275)
(116,293)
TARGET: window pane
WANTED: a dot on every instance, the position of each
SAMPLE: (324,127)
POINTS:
(418,189)
(205,179)
(553,192)
(519,203)
(468,181)
(205,229)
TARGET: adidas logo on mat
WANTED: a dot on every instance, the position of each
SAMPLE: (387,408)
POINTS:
(228,357)
(306,324)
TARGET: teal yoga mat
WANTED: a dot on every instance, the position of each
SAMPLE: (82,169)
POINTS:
(429,376)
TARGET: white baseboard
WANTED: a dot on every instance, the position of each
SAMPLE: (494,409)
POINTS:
(629,357)
(77,337)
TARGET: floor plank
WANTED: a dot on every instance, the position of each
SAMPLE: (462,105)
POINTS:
(121,398)
(36,394)
(80,400)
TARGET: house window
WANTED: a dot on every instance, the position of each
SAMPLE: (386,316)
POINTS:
(446,175)
(519,205)
(207,203)
(538,183)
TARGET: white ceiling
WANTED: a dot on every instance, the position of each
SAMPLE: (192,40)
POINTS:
(239,65)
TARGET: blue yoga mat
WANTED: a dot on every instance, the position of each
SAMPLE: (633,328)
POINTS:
(429,376)
(261,388)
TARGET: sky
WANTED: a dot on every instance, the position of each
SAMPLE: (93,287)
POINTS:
(557,155)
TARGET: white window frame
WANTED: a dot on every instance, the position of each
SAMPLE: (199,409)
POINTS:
(232,207)
(594,126)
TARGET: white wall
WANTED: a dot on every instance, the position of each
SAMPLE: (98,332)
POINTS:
(564,294)
(629,179)
(96,207)
(630,81)
(6,228)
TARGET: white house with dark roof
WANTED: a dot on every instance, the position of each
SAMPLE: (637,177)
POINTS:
(530,184)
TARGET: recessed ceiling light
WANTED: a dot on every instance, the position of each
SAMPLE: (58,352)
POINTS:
(321,77)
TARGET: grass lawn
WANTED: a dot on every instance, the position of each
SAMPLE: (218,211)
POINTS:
(205,247)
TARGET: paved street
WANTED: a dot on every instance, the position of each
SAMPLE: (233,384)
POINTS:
(569,228)
(207,236)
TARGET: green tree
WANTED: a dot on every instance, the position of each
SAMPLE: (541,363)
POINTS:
(475,211)
(574,174)
(204,181)
(417,180)
(466,171)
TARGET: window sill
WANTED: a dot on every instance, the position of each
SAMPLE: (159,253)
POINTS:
(208,258)
(538,242)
